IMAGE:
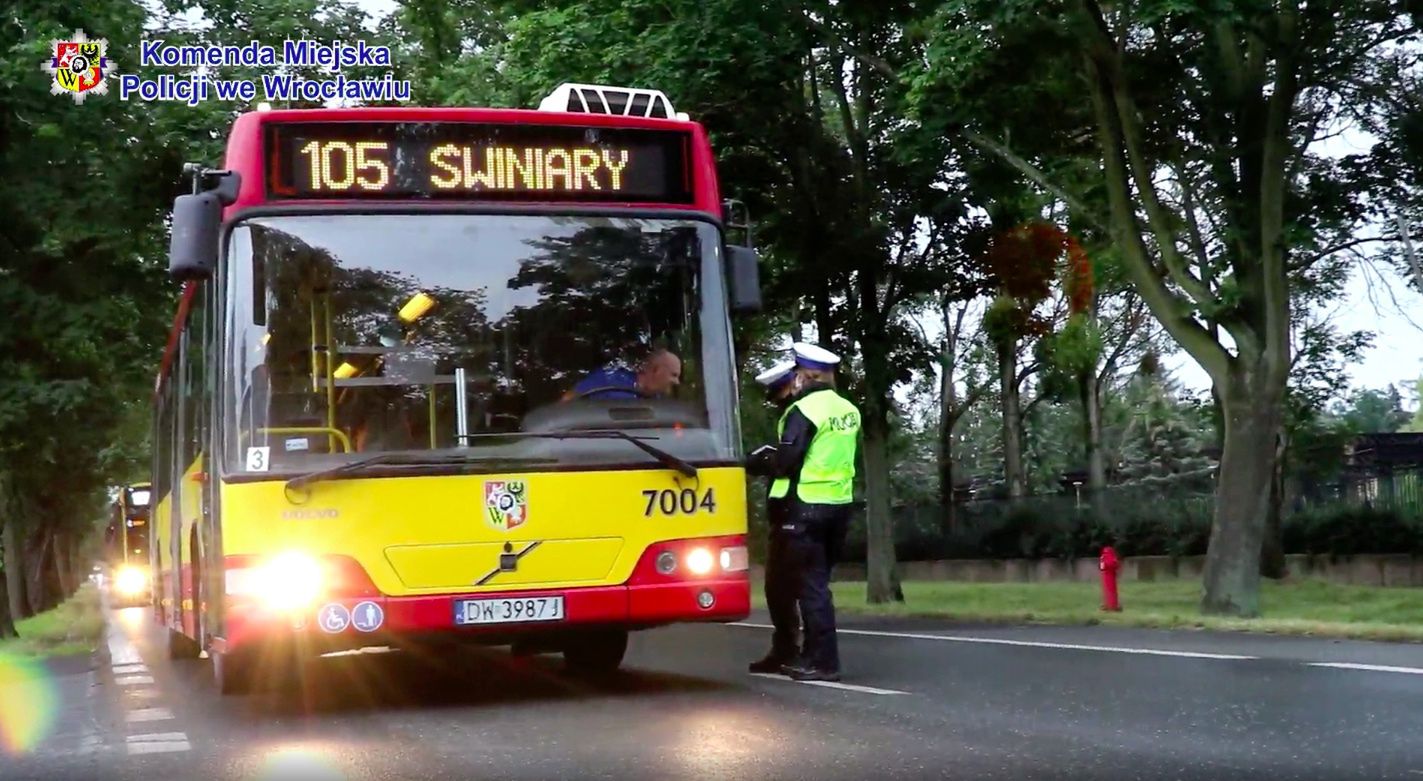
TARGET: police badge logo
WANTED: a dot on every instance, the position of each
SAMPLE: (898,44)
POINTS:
(506,503)
(79,67)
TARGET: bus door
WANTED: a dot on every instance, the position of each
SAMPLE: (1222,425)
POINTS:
(190,494)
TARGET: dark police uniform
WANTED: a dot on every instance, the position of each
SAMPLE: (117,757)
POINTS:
(814,467)
(781,584)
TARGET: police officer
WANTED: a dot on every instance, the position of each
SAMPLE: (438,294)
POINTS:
(782,587)
(814,469)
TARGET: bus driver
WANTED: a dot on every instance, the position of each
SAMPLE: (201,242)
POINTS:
(657,376)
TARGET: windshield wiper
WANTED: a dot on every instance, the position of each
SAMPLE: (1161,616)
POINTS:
(667,459)
(407,459)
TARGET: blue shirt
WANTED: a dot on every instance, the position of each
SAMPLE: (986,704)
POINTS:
(609,382)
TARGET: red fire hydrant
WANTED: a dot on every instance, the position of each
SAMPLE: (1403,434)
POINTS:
(1109,564)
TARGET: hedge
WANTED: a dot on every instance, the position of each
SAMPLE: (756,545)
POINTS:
(1054,528)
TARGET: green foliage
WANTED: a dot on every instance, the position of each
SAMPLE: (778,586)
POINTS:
(1371,411)
(83,190)
(1072,353)
(1415,425)
(1137,522)
(1343,530)
(1005,321)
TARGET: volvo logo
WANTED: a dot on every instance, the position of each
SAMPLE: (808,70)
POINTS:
(310,515)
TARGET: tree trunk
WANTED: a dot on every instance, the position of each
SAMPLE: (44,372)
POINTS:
(1013,472)
(14,569)
(60,549)
(37,570)
(948,404)
(882,569)
(1272,547)
(77,563)
(1092,424)
(947,508)
(7,620)
(1252,416)
(824,327)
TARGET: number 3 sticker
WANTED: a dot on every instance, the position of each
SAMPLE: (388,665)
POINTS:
(257,458)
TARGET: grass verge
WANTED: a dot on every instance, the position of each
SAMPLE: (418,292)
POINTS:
(73,627)
(1306,607)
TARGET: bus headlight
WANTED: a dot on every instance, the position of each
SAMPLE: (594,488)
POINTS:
(289,581)
(130,581)
(700,561)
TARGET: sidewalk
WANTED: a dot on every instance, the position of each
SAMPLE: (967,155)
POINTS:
(53,718)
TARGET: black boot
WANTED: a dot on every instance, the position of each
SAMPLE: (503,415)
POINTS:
(808,672)
(771,662)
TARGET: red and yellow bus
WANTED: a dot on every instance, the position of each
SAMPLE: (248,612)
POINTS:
(451,375)
(127,544)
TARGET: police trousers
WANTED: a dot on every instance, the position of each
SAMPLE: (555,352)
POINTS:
(782,587)
(814,536)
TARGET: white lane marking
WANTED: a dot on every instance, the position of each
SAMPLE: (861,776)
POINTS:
(133,680)
(158,737)
(142,694)
(148,714)
(129,669)
(167,747)
(1028,643)
(159,743)
(851,687)
(1378,668)
(832,685)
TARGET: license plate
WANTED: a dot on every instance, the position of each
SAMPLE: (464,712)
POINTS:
(508,610)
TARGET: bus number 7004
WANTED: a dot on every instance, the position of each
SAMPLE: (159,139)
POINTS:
(672,502)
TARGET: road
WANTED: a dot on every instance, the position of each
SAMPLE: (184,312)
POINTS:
(920,700)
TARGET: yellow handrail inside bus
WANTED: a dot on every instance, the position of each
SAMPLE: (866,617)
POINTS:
(315,348)
(330,384)
(433,445)
(333,432)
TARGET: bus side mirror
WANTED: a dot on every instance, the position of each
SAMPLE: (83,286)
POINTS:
(192,253)
(745,268)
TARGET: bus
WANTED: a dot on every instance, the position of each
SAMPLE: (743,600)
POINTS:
(442,376)
(127,548)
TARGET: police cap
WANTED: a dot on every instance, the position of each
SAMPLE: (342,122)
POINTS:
(810,356)
(776,376)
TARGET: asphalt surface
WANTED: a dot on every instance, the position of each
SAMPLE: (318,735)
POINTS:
(922,700)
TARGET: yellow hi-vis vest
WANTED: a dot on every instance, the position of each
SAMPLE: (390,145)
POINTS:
(827,475)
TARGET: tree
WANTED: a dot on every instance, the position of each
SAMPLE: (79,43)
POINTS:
(1021,262)
(846,190)
(1416,424)
(962,354)
(84,195)
(81,219)
(1205,120)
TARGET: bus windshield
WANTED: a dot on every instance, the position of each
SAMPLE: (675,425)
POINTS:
(351,335)
(137,497)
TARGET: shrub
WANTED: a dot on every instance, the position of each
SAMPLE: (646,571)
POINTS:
(1138,522)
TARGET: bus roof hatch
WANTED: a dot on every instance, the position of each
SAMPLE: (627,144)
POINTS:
(620,101)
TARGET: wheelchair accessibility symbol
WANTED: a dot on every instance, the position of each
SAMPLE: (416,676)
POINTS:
(333,618)
(367,617)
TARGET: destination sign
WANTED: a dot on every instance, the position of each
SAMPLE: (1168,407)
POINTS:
(476,161)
